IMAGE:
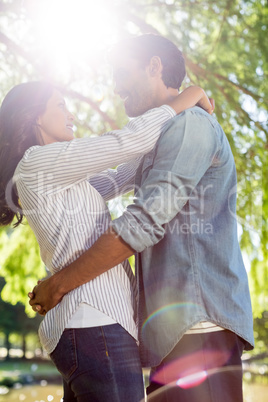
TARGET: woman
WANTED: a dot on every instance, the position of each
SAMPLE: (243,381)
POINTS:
(45,175)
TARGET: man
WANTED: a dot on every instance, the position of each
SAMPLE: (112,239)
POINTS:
(195,315)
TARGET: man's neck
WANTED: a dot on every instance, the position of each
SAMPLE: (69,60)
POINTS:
(166,96)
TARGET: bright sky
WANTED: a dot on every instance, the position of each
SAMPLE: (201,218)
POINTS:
(72,31)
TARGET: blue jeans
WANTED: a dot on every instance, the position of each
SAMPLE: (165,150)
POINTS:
(214,361)
(99,364)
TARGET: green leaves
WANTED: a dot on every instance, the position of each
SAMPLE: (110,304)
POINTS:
(20,264)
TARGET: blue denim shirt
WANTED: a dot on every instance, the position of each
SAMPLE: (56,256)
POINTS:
(183,224)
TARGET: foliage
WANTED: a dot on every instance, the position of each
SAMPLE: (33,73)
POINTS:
(261,330)
(20,264)
(225,49)
(13,319)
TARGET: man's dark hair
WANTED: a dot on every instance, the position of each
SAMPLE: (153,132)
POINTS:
(144,47)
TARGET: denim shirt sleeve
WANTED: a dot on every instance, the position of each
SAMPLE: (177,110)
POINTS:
(185,150)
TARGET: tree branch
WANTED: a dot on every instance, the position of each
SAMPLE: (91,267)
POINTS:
(17,50)
(225,15)
(76,95)
(242,111)
(197,70)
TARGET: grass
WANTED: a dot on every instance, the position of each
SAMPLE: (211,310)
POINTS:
(34,393)
(18,371)
(28,366)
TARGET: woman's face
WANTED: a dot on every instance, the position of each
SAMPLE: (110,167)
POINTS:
(56,123)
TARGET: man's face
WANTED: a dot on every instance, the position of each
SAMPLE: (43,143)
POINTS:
(134,85)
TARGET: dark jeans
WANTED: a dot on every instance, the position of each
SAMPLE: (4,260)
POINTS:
(201,368)
(99,364)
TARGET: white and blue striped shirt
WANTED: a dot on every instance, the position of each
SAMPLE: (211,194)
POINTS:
(68,214)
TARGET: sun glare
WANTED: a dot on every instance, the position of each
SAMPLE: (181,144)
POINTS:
(71,31)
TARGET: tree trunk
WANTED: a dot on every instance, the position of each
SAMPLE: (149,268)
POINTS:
(23,346)
(7,345)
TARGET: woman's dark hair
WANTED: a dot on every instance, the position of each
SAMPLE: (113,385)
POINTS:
(144,47)
(18,131)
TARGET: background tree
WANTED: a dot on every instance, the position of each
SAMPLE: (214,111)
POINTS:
(13,319)
(226,52)
(7,317)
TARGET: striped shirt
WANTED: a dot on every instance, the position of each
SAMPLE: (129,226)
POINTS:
(68,214)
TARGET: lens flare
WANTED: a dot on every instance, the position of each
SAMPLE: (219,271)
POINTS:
(190,371)
(170,311)
(192,380)
(72,33)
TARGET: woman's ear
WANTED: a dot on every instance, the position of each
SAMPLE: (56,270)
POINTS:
(155,66)
(38,132)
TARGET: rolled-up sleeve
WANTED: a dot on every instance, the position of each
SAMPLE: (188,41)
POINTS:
(184,152)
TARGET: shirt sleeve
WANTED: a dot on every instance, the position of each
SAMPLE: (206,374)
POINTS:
(55,167)
(113,182)
(184,152)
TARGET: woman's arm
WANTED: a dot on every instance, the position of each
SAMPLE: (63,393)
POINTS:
(114,182)
(55,167)
(190,97)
